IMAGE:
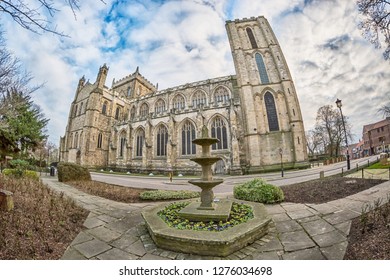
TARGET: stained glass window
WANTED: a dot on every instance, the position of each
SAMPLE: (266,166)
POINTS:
(198,99)
(221,95)
(187,135)
(140,138)
(218,130)
(271,112)
(178,102)
(162,139)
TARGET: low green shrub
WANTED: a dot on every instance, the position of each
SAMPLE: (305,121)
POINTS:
(18,173)
(166,195)
(258,190)
(72,172)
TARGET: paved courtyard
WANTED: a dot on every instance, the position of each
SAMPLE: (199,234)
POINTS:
(116,231)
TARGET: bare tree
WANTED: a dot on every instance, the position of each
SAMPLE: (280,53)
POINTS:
(376,22)
(329,128)
(385,110)
(314,142)
(30,14)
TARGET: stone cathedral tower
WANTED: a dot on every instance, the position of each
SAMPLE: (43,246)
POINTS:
(133,126)
(272,121)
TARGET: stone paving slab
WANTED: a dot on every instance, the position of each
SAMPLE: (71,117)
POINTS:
(104,234)
(287,226)
(116,254)
(324,208)
(72,254)
(137,248)
(266,256)
(93,222)
(317,227)
(341,216)
(81,238)
(92,248)
(335,252)
(280,217)
(306,254)
(272,245)
(299,214)
(344,227)
(329,238)
(296,240)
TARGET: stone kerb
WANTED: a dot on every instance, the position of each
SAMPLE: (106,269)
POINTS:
(219,244)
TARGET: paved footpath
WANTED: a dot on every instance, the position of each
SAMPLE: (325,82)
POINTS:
(116,231)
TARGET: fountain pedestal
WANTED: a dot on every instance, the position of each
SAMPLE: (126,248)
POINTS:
(206,209)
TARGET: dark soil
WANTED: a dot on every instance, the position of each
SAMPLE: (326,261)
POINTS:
(42,223)
(327,189)
(112,192)
(370,239)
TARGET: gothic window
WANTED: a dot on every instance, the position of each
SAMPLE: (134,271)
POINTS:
(139,90)
(198,99)
(76,140)
(117,113)
(251,38)
(271,112)
(100,141)
(159,107)
(104,108)
(144,111)
(140,138)
(161,141)
(261,67)
(81,108)
(187,135)
(132,113)
(178,102)
(221,95)
(75,111)
(71,141)
(218,130)
(122,144)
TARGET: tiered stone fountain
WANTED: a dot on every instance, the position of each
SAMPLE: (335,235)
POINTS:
(206,209)
(208,243)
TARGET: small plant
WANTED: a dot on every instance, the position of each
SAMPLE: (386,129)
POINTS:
(19,173)
(240,213)
(258,190)
(72,172)
(166,195)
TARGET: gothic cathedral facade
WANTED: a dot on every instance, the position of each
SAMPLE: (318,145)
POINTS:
(132,126)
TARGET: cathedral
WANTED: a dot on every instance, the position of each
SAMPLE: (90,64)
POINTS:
(134,127)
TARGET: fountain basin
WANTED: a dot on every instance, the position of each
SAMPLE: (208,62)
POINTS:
(206,185)
(195,211)
(206,160)
(205,141)
(207,243)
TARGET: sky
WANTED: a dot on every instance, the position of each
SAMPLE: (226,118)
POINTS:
(177,42)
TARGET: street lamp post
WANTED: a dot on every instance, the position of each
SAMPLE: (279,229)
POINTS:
(338,103)
(281,160)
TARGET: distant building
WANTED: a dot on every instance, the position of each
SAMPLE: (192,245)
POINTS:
(376,137)
(134,126)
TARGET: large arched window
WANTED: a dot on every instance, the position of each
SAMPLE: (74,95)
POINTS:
(178,102)
(218,130)
(75,111)
(100,141)
(262,70)
(251,38)
(198,99)
(140,138)
(187,135)
(221,95)
(144,111)
(122,144)
(104,108)
(129,92)
(271,112)
(159,107)
(161,141)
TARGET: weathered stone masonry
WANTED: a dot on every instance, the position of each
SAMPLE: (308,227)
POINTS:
(136,127)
